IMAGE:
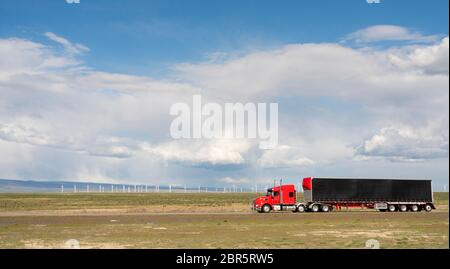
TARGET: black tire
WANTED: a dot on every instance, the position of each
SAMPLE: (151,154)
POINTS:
(315,208)
(301,209)
(392,208)
(266,208)
(382,210)
(428,207)
(325,208)
(402,208)
(414,208)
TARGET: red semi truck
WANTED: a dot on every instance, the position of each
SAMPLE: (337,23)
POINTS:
(326,194)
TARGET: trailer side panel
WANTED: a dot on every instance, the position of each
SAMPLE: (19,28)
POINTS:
(370,190)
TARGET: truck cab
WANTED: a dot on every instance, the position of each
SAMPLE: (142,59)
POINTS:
(277,198)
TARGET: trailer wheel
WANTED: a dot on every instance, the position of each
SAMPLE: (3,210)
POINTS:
(315,208)
(301,209)
(392,208)
(325,208)
(403,208)
(414,208)
(428,207)
(266,208)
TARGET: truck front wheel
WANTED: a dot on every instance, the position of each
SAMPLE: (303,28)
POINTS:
(266,208)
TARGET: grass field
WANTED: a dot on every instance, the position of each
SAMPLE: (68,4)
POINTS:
(204,220)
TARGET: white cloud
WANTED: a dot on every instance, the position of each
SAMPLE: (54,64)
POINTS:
(430,59)
(22,134)
(297,68)
(110,146)
(230,180)
(54,109)
(187,152)
(314,70)
(98,146)
(20,56)
(405,143)
(388,33)
(69,47)
(262,183)
(129,84)
(283,156)
(202,152)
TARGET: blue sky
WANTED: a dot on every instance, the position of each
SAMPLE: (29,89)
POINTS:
(147,37)
(85,89)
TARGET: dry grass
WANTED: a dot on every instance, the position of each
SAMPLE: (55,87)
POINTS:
(188,221)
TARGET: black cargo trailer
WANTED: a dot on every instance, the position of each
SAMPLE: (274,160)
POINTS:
(324,194)
(361,190)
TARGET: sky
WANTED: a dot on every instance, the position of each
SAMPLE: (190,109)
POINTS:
(86,89)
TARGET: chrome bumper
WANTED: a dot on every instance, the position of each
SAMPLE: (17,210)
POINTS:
(254,207)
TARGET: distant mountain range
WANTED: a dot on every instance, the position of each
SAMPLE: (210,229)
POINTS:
(10,185)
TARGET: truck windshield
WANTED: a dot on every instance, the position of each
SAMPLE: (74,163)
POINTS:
(269,192)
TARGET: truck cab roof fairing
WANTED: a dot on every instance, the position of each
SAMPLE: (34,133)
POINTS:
(307,183)
(286,187)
